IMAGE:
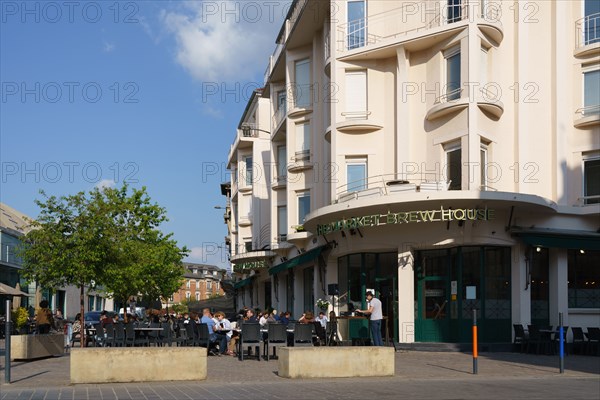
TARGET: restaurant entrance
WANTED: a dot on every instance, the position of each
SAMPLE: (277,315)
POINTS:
(451,283)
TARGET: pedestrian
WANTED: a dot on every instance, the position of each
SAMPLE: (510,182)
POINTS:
(376,316)
(43,318)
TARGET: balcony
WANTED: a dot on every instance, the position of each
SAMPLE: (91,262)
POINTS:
(388,185)
(280,182)
(245,220)
(301,162)
(587,35)
(278,119)
(418,21)
(453,102)
(587,116)
(358,122)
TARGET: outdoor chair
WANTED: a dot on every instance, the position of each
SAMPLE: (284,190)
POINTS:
(203,338)
(593,343)
(154,336)
(579,344)
(521,338)
(99,338)
(332,333)
(320,337)
(119,334)
(109,334)
(250,335)
(303,334)
(276,337)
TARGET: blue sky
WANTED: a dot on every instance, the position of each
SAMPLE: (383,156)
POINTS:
(99,92)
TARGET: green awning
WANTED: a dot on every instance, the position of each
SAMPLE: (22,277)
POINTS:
(243,282)
(298,260)
(558,238)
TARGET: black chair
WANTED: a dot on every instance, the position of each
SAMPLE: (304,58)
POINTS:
(332,334)
(593,342)
(250,335)
(99,338)
(535,339)
(579,344)
(119,334)
(203,337)
(303,334)
(276,337)
(154,336)
(521,337)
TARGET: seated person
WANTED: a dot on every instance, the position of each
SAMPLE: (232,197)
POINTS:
(322,319)
(307,318)
(221,340)
(224,328)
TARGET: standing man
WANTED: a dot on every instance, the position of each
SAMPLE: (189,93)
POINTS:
(376,317)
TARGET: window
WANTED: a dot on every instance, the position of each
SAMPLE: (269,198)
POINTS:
(249,164)
(453,166)
(454,11)
(591,92)
(483,66)
(453,74)
(591,179)
(584,279)
(197,296)
(303,142)
(308,285)
(195,271)
(303,206)
(209,286)
(197,283)
(356,24)
(592,22)
(282,228)
(172,298)
(281,101)
(356,172)
(188,284)
(483,156)
(188,296)
(248,246)
(281,163)
(303,95)
(356,94)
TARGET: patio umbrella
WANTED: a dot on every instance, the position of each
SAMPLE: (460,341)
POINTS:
(11,291)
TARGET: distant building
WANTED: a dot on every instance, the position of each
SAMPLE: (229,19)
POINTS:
(201,282)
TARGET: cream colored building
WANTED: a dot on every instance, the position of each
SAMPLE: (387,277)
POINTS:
(445,154)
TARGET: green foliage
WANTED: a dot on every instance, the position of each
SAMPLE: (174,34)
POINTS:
(179,308)
(19,317)
(106,238)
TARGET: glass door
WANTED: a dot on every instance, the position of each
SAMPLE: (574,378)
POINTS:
(433,295)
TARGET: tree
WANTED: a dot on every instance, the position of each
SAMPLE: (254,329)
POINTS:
(106,237)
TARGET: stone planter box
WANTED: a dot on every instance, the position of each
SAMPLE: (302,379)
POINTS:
(336,362)
(30,347)
(138,364)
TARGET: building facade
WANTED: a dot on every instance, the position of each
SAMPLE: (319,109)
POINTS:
(445,154)
(201,282)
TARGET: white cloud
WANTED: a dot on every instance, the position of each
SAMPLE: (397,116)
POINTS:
(223,41)
(108,47)
(106,183)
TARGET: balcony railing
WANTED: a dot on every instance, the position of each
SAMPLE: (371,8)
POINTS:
(388,184)
(302,155)
(587,30)
(587,111)
(392,23)
(449,96)
(278,117)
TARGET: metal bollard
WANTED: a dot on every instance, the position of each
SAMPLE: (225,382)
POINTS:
(561,344)
(474,341)
(7,344)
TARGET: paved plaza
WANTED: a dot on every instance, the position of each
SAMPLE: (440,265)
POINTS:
(419,375)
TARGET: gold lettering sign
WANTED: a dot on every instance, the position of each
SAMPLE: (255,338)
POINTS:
(408,217)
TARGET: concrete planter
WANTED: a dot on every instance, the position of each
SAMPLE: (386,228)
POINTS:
(30,347)
(138,364)
(336,362)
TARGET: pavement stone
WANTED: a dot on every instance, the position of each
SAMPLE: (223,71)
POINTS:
(419,375)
